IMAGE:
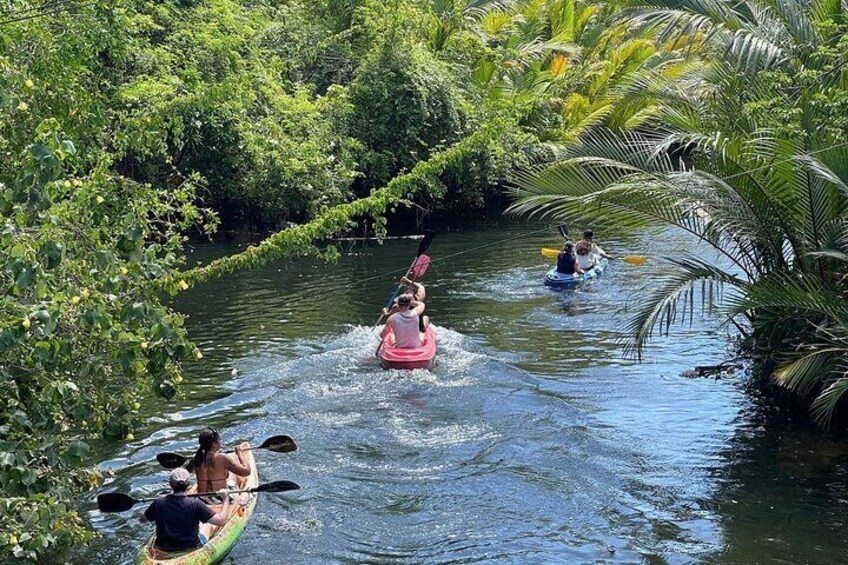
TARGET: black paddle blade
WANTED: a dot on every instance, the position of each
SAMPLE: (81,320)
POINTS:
(563,230)
(425,243)
(279,444)
(171,460)
(277,486)
(115,502)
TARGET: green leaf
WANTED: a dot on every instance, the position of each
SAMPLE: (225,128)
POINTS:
(25,278)
(78,451)
(53,252)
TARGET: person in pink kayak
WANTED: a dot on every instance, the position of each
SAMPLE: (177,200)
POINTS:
(418,292)
(404,322)
(415,288)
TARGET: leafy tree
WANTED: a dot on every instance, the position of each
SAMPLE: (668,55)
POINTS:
(83,331)
(418,105)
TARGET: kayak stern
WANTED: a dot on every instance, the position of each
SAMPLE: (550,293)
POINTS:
(555,279)
(421,357)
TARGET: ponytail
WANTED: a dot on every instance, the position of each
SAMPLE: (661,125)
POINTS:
(207,439)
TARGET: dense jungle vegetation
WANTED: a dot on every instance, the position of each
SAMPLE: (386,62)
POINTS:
(128,126)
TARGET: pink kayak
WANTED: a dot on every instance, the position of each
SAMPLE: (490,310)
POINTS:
(421,357)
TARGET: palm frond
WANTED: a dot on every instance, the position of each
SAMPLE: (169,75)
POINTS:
(825,405)
(752,53)
(805,374)
(792,293)
(673,300)
(835,254)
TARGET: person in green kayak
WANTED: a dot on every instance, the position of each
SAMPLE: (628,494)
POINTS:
(567,263)
(212,467)
(405,321)
(178,516)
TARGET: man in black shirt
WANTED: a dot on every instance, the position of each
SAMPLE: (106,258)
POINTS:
(178,517)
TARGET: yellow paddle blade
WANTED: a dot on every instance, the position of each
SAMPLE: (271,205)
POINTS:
(634,260)
(550,253)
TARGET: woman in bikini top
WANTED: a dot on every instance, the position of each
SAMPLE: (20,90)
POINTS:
(213,468)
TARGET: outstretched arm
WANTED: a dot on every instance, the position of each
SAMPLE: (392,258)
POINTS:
(417,288)
(386,329)
(220,518)
(390,311)
(601,252)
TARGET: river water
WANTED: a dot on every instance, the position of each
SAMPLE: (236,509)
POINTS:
(533,440)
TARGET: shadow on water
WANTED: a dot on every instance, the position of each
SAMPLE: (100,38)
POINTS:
(532,441)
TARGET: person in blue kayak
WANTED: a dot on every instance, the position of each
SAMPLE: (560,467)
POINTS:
(585,257)
(567,263)
(594,249)
(404,322)
(178,516)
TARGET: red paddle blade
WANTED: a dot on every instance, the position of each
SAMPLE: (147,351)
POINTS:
(420,267)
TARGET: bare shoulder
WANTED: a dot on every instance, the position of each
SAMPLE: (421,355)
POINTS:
(222,460)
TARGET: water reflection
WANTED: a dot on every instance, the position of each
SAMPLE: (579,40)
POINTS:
(783,498)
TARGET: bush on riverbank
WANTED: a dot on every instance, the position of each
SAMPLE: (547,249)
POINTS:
(84,335)
(282,113)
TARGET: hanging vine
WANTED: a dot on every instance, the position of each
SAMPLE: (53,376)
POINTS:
(305,239)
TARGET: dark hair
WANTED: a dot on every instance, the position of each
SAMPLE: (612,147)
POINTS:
(405,299)
(207,439)
(568,247)
(583,247)
(588,234)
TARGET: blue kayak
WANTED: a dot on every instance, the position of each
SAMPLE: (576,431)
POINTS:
(556,279)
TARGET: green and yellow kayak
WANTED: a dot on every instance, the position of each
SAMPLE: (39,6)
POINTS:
(221,540)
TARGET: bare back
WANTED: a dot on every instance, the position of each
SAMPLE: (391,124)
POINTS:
(213,476)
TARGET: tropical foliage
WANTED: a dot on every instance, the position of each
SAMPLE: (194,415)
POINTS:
(83,332)
(747,151)
(123,125)
(127,126)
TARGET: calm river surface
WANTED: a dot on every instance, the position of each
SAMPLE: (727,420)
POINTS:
(533,441)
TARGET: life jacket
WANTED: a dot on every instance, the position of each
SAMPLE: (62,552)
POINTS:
(565,263)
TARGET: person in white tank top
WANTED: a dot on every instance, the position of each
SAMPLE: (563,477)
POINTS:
(404,322)
(585,256)
(418,292)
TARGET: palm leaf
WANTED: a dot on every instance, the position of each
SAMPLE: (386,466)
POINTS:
(672,297)
(805,374)
(826,403)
